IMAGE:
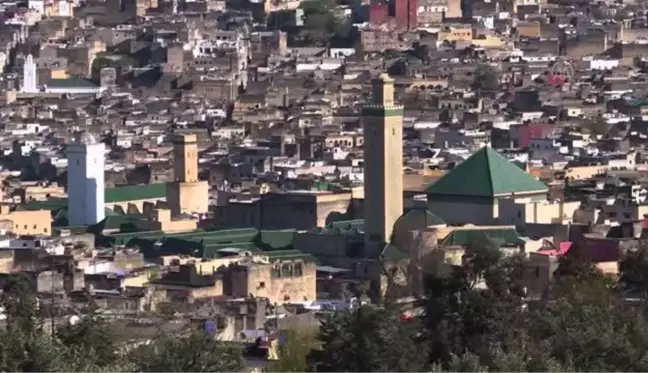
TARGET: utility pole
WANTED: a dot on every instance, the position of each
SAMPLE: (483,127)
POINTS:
(52,305)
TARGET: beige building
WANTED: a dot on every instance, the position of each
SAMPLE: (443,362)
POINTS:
(280,282)
(40,192)
(161,220)
(456,33)
(522,211)
(383,163)
(454,9)
(301,210)
(472,191)
(38,222)
(187,194)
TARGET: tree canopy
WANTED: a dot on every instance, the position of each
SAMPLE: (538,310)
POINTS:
(477,318)
(486,80)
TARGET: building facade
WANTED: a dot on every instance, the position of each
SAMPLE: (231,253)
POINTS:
(85,184)
(30,84)
(187,194)
(383,162)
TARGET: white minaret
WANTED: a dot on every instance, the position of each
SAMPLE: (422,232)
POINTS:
(85,180)
(29,75)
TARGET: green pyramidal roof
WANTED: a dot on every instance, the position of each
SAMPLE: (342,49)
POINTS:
(486,173)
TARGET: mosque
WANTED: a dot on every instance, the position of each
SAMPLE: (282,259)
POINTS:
(69,86)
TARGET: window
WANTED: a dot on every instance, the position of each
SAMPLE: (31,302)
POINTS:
(262,285)
(286,270)
(276,271)
(298,270)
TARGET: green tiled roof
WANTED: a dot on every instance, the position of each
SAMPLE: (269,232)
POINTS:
(341,227)
(207,244)
(347,225)
(468,237)
(112,195)
(75,229)
(277,245)
(71,83)
(136,192)
(276,240)
(127,238)
(392,253)
(277,255)
(115,221)
(485,174)
(423,214)
(60,218)
(52,205)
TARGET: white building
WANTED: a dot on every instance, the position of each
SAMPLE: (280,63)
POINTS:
(85,180)
(30,83)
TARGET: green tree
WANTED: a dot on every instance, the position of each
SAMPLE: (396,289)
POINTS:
(20,305)
(475,306)
(196,352)
(283,20)
(321,22)
(633,268)
(597,126)
(99,63)
(293,354)
(587,324)
(368,340)
(486,80)
(91,336)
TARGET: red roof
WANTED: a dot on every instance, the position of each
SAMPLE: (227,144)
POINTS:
(563,248)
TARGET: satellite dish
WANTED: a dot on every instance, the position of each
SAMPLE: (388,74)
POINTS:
(210,327)
(74,319)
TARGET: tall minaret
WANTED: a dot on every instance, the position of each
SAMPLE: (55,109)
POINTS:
(29,75)
(185,158)
(85,185)
(383,164)
(187,193)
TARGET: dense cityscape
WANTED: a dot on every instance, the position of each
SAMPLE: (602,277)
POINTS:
(323,185)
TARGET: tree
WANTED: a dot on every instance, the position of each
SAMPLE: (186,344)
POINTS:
(99,63)
(368,340)
(196,352)
(512,355)
(293,355)
(474,308)
(283,20)
(586,324)
(486,80)
(321,23)
(20,305)
(422,52)
(91,336)
(634,270)
(598,126)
